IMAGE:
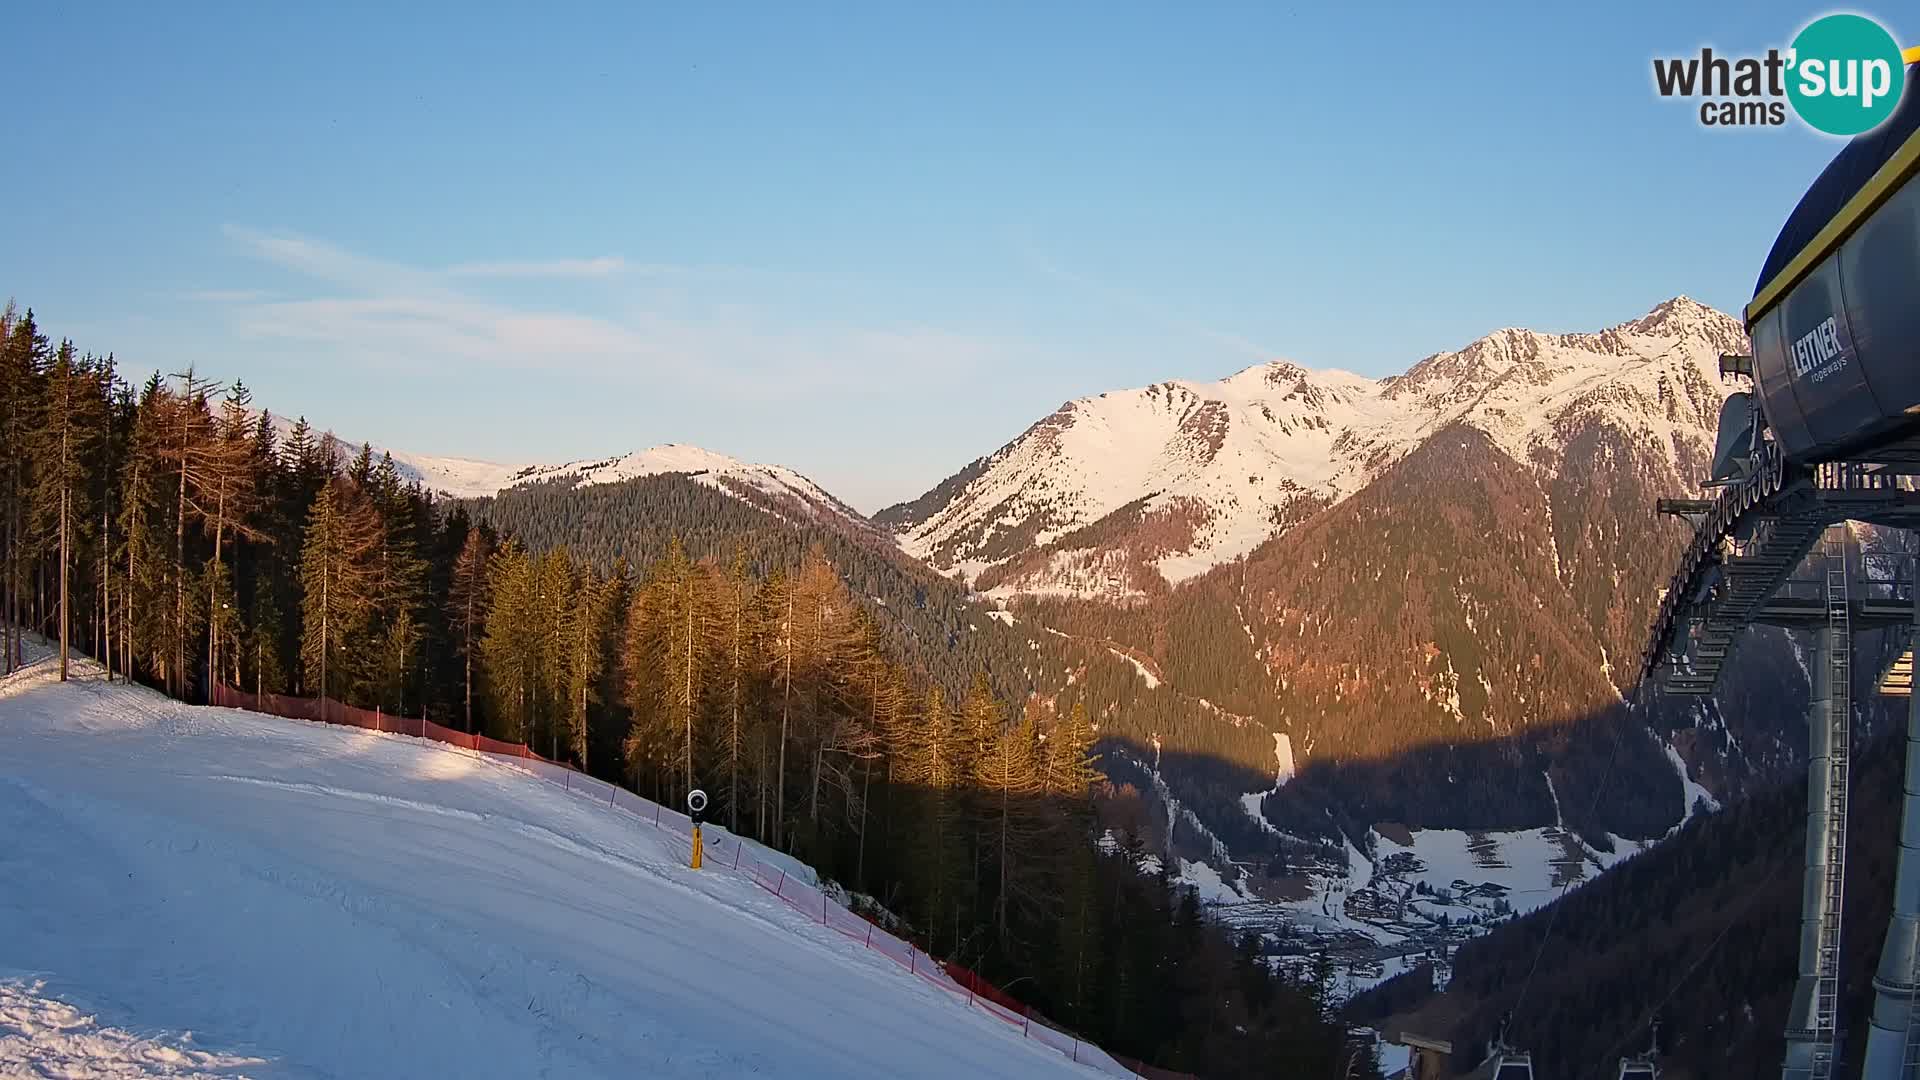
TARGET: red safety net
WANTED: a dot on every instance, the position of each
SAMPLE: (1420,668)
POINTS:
(721,851)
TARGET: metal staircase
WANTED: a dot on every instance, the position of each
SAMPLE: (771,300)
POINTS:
(1839,719)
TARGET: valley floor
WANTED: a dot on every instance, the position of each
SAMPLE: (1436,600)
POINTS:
(313,901)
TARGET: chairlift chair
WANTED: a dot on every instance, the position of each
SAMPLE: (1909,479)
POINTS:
(1638,1068)
(1513,1065)
(1641,1066)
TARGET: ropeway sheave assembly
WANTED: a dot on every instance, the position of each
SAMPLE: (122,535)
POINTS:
(1828,433)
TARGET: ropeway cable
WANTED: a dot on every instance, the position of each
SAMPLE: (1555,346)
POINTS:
(1553,914)
(1733,917)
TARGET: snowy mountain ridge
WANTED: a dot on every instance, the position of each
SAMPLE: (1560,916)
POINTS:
(470,478)
(1118,493)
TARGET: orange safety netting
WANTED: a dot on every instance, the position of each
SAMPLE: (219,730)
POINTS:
(723,851)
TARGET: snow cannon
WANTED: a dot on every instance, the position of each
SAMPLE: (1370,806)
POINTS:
(697,811)
(1835,317)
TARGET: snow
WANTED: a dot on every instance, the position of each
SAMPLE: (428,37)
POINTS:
(470,478)
(1395,1058)
(714,470)
(461,478)
(1153,683)
(1692,790)
(1237,451)
(344,903)
(1522,862)
(1250,802)
(40,1036)
(1206,881)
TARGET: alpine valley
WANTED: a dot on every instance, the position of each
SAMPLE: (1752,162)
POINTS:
(1359,652)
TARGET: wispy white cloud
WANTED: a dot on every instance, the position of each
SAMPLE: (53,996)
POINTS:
(225,296)
(601,266)
(708,340)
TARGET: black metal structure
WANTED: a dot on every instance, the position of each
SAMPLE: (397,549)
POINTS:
(1829,434)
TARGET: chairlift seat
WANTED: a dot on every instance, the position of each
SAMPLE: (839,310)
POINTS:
(1513,1066)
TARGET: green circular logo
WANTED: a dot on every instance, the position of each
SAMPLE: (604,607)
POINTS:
(1845,75)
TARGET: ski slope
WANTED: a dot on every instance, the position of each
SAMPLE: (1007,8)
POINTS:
(208,892)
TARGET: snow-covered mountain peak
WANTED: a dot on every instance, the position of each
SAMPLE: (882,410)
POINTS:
(1179,476)
(708,467)
(771,487)
(1684,318)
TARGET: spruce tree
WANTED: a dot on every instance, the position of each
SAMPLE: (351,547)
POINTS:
(467,602)
(23,353)
(71,423)
(508,646)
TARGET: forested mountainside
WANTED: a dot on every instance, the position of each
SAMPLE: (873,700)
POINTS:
(170,530)
(1444,614)
(1700,933)
(943,629)
(1447,645)
(935,624)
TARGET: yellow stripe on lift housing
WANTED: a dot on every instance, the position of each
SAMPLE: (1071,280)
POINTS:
(1903,164)
(1864,202)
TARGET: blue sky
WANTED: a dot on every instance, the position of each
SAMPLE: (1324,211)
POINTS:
(871,242)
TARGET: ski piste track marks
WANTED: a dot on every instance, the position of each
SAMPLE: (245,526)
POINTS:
(359,807)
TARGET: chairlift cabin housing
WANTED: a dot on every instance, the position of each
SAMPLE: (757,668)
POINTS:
(1828,434)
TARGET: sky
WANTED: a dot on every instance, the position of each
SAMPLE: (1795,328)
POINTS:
(869,242)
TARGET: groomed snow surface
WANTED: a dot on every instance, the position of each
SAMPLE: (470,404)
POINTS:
(208,892)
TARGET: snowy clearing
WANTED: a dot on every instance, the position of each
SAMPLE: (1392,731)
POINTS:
(335,902)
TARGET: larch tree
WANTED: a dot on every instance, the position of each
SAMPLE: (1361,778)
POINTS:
(738,626)
(1018,824)
(231,467)
(339,576)
(671,656)
(192,455)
